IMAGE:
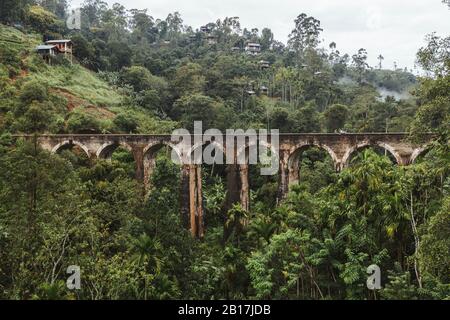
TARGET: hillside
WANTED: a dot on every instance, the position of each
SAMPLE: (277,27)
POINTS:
(76,94)
(117,87)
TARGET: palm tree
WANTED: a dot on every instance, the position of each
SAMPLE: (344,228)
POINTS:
(380,58)
(236,220)
(146,251)
(367,175)
(263,227)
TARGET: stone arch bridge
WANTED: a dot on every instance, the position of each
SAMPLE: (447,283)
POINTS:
(340,147)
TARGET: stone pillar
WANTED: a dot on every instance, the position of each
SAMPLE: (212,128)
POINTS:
(283,187)
(244,194)
(288,175)
(293,174)
(138,155)
(233,189)
(200,216)
(196,218)
(149,165)
(404,159)
(192,201)
(185,196)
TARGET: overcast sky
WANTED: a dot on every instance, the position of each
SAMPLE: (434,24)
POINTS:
(393,28)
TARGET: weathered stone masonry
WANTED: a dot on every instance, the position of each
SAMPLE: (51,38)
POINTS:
(340,147)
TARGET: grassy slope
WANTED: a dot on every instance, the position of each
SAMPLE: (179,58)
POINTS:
(79,82)
(16,38)
(80,86)
(83,89)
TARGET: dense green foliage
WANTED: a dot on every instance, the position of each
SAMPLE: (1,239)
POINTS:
(135,74)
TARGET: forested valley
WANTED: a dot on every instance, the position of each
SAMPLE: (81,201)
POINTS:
(138,74)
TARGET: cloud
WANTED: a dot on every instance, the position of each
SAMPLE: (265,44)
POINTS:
(373,18)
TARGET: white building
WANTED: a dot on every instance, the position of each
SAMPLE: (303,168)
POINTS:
(253,48)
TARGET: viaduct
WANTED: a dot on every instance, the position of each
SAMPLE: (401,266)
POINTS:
(340,147)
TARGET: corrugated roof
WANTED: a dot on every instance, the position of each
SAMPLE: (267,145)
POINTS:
(58,41)
(44,47)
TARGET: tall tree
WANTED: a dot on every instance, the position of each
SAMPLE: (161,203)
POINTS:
(13,10)
(266,38)
(93,10)
(360,63)
(58,7)
(335,117)
(305,34)
(380,61)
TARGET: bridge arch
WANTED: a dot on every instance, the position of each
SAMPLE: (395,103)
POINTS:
(419,152)
(217,145)
(385,146)
(107,149)
(295,152)
(149,158)
(71,143)
(293,161)
(247,146)
(151,149)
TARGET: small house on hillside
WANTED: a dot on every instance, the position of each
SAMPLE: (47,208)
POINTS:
(47,52)
(53,48)
(211,39)
(264,90)
(64,46)
(205,29)
(45,49)
(253,48)
(263,64)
